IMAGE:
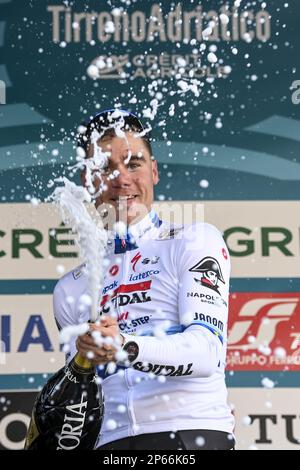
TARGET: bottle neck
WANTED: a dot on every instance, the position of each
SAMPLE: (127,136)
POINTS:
(83,363)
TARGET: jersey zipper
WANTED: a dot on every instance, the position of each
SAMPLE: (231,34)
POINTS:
(128,372)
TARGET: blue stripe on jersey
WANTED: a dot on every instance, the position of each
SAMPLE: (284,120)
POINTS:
(215,332)
(181,328)
(170,331)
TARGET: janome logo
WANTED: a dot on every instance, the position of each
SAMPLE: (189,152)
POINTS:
(264,331)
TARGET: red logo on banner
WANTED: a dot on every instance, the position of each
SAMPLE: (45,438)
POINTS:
(264,332)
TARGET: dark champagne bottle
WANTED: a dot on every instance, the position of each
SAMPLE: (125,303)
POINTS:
(68,411)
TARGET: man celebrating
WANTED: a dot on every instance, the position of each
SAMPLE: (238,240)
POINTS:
(170,393)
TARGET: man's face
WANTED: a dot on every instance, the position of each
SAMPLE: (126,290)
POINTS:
(131,191)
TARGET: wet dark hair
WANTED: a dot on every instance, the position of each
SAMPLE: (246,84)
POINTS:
(103,123)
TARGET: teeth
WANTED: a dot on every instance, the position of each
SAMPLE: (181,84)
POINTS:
(126,197)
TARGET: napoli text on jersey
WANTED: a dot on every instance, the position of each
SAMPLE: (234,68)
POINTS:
(169,289)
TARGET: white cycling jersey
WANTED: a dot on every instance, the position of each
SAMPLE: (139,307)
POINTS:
(169,287)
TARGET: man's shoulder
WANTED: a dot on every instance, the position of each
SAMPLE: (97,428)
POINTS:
(169,231)
(203,227)
(187,231)
(72,278)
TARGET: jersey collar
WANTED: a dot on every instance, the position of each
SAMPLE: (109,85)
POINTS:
(137,231)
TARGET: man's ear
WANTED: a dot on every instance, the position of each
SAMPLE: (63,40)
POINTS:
(155,174)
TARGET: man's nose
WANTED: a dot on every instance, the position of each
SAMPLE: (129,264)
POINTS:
(123,177)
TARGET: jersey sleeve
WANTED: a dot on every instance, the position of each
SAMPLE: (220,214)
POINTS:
(64,315)
(203,269)
(204,272)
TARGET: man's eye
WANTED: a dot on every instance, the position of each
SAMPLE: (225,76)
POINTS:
(133,166)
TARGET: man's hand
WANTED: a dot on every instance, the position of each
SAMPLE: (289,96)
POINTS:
(102,342)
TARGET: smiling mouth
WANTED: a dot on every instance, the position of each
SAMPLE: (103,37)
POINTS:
(125,198)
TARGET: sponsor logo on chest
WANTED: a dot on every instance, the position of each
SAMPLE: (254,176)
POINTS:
(210,299)
(126,294)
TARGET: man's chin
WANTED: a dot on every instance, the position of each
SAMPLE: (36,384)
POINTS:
(114,211)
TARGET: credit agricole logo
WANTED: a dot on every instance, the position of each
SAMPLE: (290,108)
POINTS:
(159,25)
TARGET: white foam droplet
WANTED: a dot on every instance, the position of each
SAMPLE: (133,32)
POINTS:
(121,409)
(212,58)
(93,71)
(200,441)
(280,352)
(267,383)
(246,421)
(60,269)
(204,184)
(224,18)
(67,333)
(111,425)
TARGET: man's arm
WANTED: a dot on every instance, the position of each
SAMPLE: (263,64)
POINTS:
(199,350)
(63,315)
